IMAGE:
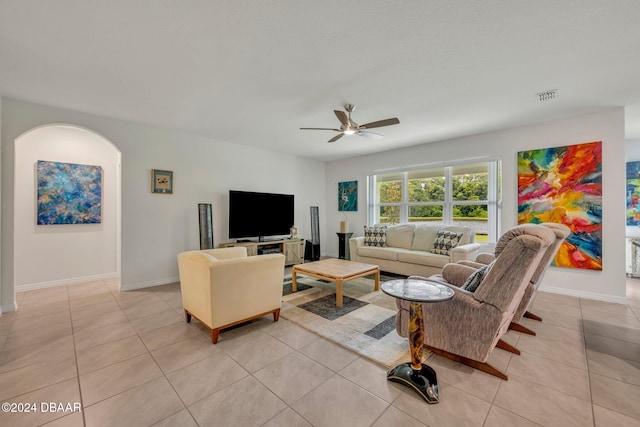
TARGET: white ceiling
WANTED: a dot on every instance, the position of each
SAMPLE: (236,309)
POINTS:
(254,72)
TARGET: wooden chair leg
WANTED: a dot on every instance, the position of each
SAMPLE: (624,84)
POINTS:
(481,366)
(519,328)
(187,316)
(276,314)
(214,335)
(506,346)
(530,315)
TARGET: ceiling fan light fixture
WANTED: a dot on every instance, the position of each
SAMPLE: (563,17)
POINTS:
(349,132)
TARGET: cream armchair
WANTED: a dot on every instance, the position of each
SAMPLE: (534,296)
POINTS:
(224,287)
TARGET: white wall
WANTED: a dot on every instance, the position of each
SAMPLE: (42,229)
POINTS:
(608,127)
(64,253)
(155,227)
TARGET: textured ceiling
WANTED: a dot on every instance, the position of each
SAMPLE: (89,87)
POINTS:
(254,72)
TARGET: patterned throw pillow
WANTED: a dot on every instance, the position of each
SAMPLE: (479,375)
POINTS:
(375,236)
(445,241)
(473,281)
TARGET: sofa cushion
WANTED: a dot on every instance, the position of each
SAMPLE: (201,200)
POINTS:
(445,241)
(375,236)
(422,258)
(378,252)
(423,237)
(473,281)
(400,236)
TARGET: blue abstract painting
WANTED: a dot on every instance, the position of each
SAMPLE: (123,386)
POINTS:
(348,196)
(69,193)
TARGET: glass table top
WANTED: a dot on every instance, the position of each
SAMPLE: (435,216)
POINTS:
(417,290)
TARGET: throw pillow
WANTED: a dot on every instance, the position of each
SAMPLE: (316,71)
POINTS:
(375,236)
(473,281)
(445,241)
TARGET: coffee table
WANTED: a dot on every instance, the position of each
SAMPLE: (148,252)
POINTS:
(415,374)
(336,271)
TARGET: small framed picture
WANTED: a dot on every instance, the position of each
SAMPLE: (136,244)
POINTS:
(161,181)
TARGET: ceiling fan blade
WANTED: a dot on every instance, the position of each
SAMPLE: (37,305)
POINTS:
(342,116)
(337,137)
(380,123)
(337,130)
(370,135)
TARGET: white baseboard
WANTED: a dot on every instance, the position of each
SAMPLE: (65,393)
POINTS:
(148,284)
(8,308)
(62,282)
(581,294)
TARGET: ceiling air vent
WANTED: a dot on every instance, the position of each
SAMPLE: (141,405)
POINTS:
(547,95)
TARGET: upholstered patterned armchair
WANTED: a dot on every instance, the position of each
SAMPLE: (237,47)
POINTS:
(468,327)
(561,233)
(224,287)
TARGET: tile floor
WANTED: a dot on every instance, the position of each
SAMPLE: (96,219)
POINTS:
(130,360)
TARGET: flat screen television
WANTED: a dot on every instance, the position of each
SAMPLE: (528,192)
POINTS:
(259,214)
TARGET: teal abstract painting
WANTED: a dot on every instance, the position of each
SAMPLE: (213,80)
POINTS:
(69,193)
(348,196)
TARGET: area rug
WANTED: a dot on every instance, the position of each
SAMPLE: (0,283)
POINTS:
(364,324)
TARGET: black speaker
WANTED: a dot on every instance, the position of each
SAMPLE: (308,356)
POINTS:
(312,247)
(206,226)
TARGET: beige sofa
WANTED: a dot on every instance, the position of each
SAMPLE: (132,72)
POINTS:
(408,249)
(224,287)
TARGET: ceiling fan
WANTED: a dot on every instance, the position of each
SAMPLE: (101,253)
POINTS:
(349,127)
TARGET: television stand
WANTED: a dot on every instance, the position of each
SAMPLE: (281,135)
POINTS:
(292,249)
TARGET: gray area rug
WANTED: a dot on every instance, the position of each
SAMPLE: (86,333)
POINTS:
(364,324)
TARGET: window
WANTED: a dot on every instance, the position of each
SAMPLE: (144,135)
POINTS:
(460,194)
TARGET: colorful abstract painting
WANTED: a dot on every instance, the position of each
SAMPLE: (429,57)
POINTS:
(348,196)
(633,193)
(564,185)
(69,193)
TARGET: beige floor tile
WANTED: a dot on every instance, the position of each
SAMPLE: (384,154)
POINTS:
(36,376)
(203,378)
(42,336)
(555,375)
(554,332)
(94,310)
(168,335)
(569,353)
(455,408)
(393,417)
(100,356)
(291,334)
(499,417)
(99,321)
(258,350)
(465,378)
(117,378)
(3,338)
(224,408)
(168,291)
(542,404)
(293,376)
(622,349)
(129,298)
(144,405)
(371,377)
(48,295)
(329,354)
(144,308)
(103,335)
(73,420)
(629,321)
(91,300)
(617,331)
(155,321)
(82,290)
(27,324)
(555,314)
(37,353)
(184,353)
(615,395)
(288,418)
(179,419)
(42,309)
(558,299)
(607,418)
(613,367)
(344,404)
(66,392)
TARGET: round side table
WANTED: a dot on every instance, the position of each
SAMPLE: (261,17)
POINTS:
(415,374)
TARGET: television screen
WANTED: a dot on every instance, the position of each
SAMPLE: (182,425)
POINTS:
(259,214)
